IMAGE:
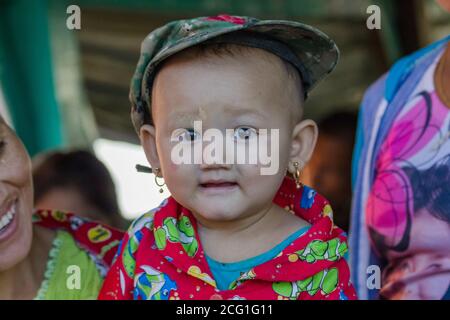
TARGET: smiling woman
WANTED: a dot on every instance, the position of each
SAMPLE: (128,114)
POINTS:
(37,248)
(16,194)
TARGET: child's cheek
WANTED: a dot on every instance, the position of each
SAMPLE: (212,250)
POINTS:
(180,173)
(169,164)
(173,168)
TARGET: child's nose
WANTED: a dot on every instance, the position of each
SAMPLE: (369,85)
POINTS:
(215,166)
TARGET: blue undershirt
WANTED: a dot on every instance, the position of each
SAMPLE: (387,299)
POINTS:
(226,273)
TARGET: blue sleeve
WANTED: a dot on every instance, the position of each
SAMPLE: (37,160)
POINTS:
(359,138)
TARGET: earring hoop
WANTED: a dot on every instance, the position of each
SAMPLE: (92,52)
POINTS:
(297,172)
(160,185)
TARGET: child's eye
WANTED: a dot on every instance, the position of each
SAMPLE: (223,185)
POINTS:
(245,133)
(187,134)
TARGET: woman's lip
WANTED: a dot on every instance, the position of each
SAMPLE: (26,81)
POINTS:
(12,227)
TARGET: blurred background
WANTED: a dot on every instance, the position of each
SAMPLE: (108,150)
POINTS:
(64,89)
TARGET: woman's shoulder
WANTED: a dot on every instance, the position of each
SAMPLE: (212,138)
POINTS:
(70,271)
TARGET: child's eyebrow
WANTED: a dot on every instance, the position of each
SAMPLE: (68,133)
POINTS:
(177,118)
(238,112)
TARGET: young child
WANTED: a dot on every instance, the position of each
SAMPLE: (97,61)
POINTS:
(228,231)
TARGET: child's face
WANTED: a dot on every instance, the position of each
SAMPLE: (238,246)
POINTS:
(246,92)
(423,276)
(424,256)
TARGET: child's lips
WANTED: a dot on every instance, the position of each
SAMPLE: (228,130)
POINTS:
(213,187)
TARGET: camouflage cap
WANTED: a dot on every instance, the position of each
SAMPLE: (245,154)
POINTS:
(311,51)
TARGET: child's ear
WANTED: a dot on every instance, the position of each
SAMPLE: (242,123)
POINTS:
(147,135)
(304,138)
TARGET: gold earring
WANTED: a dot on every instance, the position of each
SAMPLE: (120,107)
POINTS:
(157,172)
(297,174)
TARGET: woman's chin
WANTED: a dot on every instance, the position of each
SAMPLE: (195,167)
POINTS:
(13,256)
(15,247)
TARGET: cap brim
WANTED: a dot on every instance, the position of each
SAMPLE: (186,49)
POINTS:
(316,51)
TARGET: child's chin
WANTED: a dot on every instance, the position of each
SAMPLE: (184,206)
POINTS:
(215,212)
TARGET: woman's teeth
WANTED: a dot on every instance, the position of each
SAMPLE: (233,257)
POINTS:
(6,220)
